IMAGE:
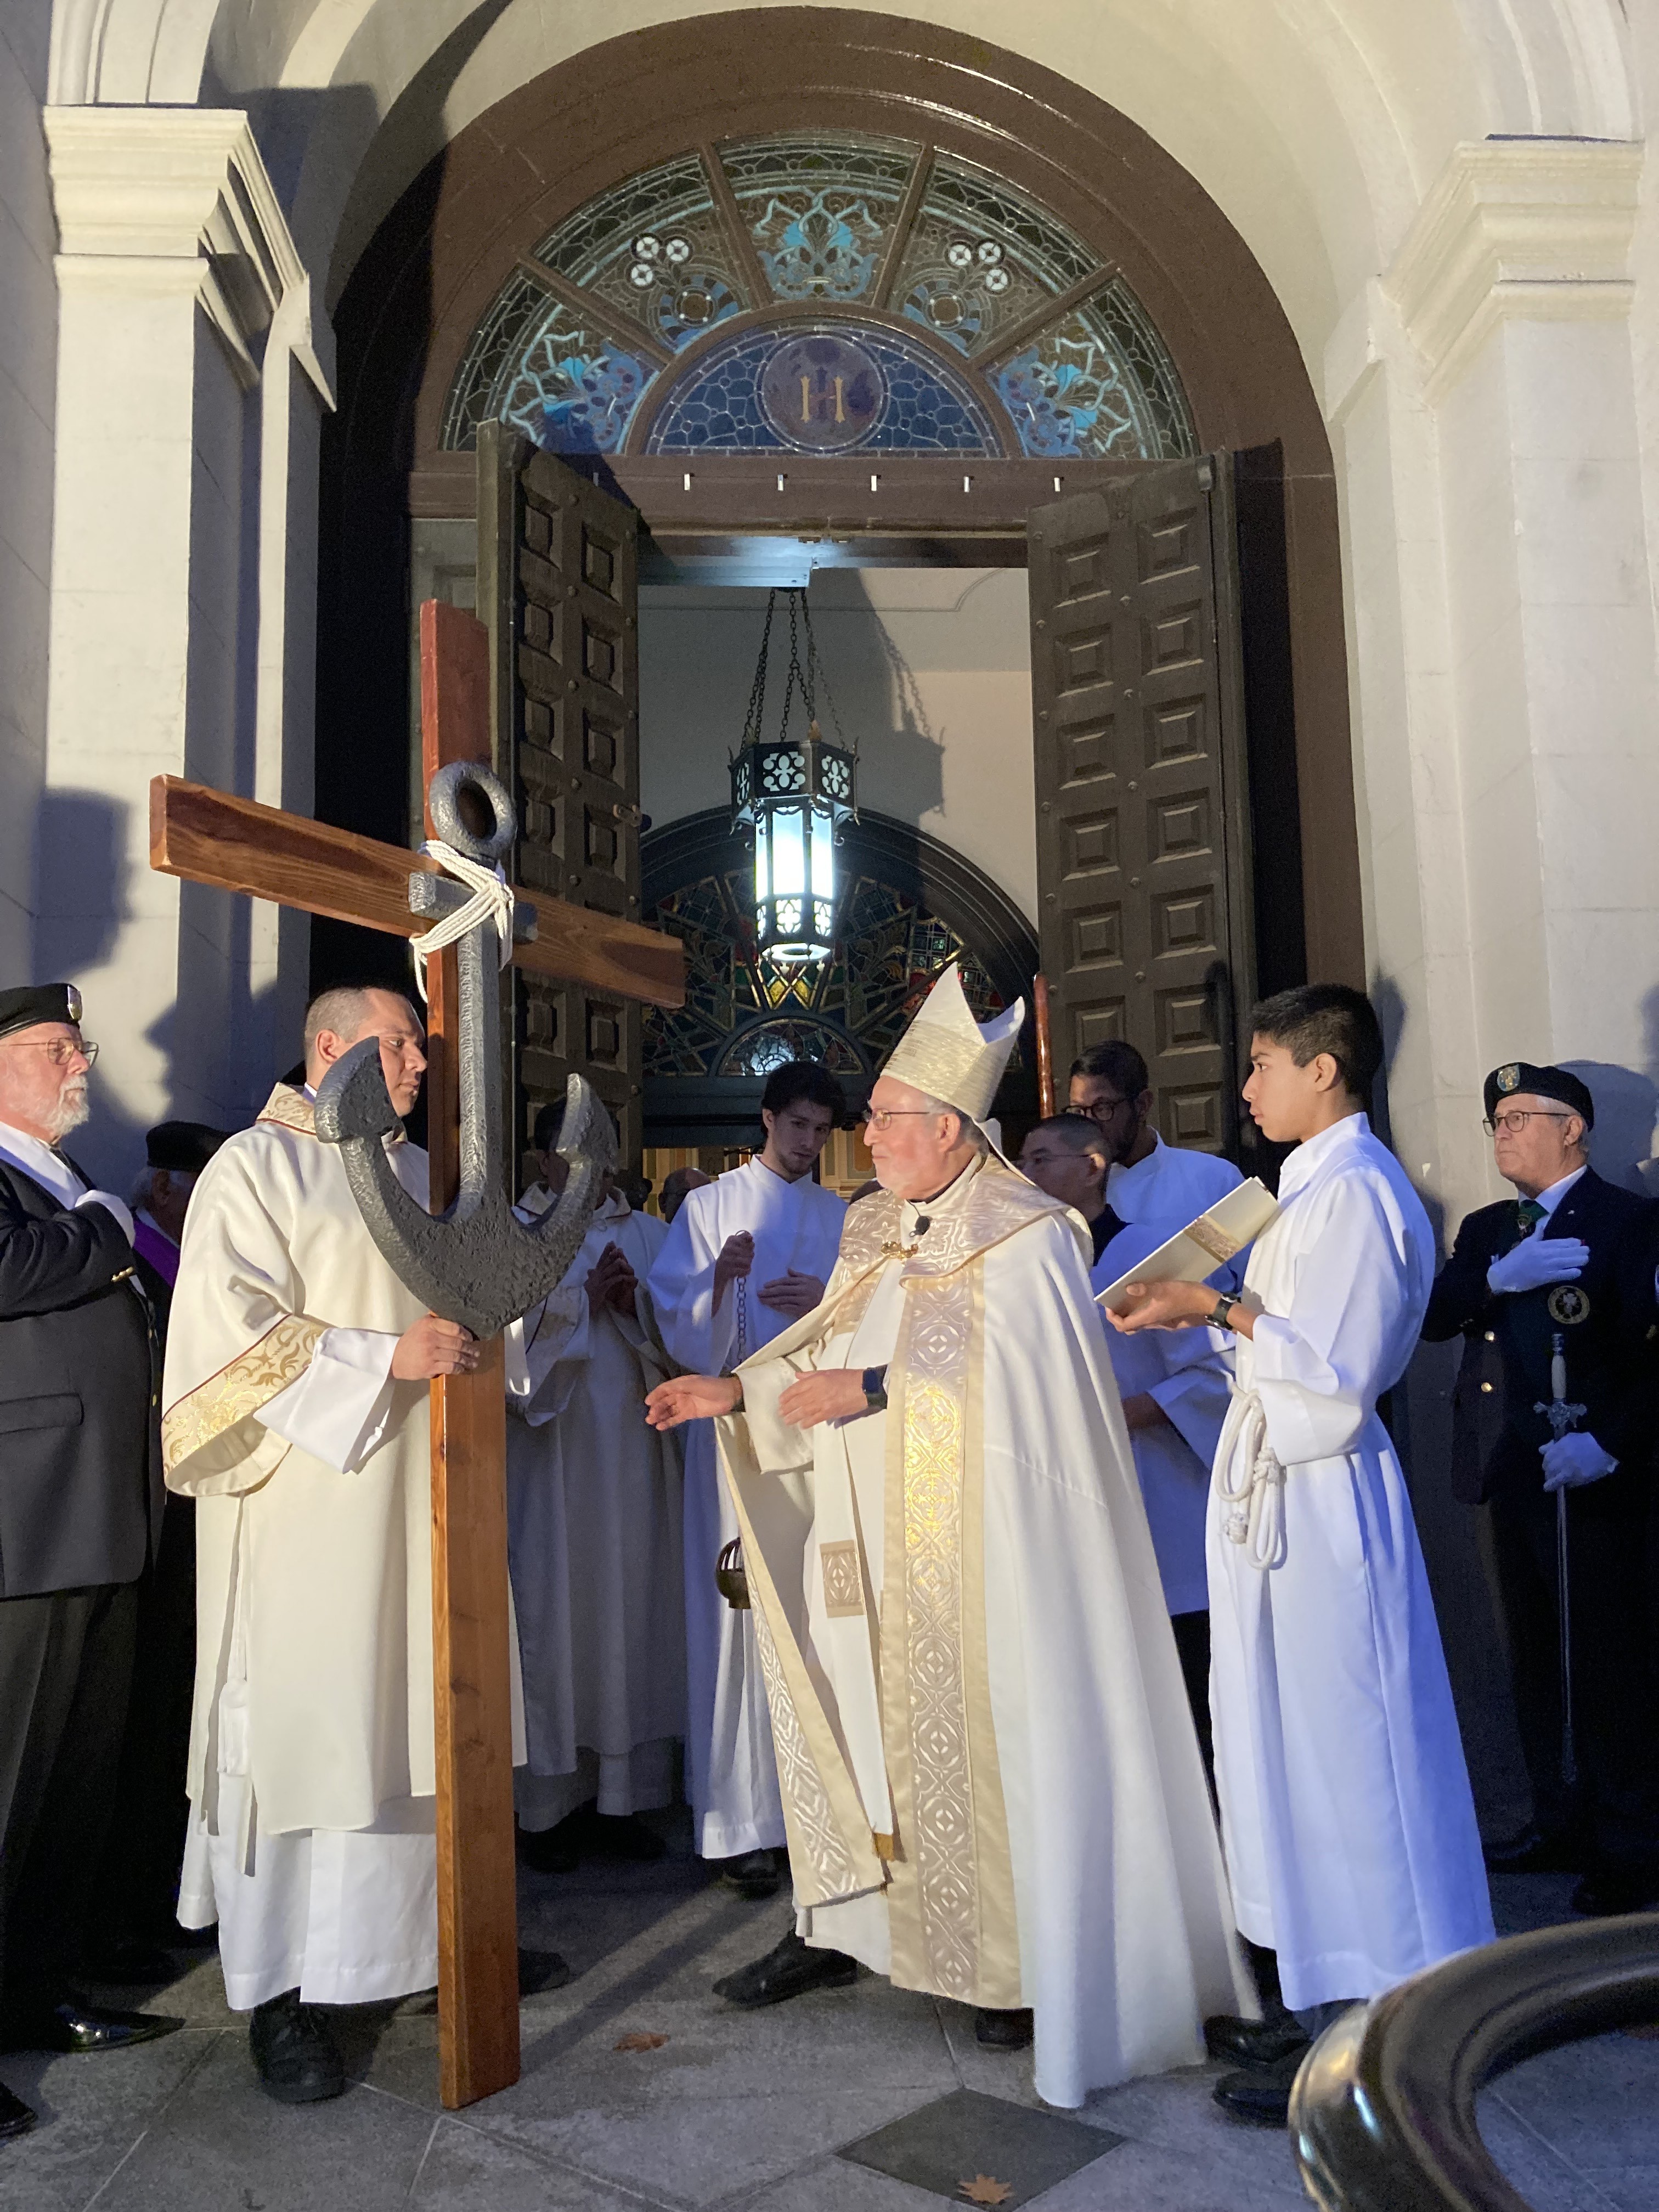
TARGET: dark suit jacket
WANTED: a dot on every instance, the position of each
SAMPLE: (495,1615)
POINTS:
(1612,1354)
(80,1472)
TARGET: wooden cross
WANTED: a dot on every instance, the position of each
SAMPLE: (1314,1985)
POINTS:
(236,845)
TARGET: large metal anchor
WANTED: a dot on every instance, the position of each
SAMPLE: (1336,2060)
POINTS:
(476,1262)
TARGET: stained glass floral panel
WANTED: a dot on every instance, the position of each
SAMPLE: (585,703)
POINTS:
(820,211)
(491,360)
(656,250)
(1098,382)
(571,389)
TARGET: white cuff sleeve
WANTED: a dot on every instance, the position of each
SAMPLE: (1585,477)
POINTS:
(116,1208)
(338,1409)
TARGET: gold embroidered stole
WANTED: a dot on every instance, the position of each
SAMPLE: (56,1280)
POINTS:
(946,1872)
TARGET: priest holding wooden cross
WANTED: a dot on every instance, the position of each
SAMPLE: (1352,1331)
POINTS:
(351,1754)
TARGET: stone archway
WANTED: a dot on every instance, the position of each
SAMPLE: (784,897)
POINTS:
(416,297)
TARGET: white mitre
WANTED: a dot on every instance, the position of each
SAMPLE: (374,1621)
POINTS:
(947,1053)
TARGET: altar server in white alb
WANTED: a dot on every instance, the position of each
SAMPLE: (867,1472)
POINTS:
(1345,1810)
(746,1256)
(1147,1180)
(594,1535)
(993,1787)
(295,1415)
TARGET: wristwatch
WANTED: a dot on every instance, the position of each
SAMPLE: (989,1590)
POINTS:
(1221,1311)
(875,1390)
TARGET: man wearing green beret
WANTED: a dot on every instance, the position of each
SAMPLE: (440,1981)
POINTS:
(1555,1286)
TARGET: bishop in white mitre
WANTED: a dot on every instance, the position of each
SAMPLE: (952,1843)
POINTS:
(593,1540)
(746,1256)
(295,1415)
(992,1786)
(1345,1808)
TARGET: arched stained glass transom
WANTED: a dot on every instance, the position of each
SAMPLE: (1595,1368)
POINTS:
(817,294)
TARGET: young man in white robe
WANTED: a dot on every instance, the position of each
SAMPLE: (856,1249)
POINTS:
(1175,1385)
(1345,1809)
(593,1540)
(993,1788)
(1148,1180)
(746,1256)
(295,1415)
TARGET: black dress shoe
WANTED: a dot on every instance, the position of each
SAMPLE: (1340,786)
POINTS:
(74,2025)
(788,1972)
(1260,2094)
(17,2117)
(294,2056)
(1003,2031)
(754,1876)
(1254,2042)
(624,1836)
(1537,1855)
(1608,1891)
(548,1850)
(540,1971)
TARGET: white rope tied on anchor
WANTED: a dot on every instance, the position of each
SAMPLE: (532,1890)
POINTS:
(1252,1506)
(491,901)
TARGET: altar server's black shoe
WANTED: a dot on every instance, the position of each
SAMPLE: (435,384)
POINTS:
(624,1836)
(540,1971)
(17,2117)
(1003,2031)
(1254,2042)
(1608,1891)
(1260,2094)
(74,2025)
(548,1850)
(294,2056)
(754,1876)
(790,1971)
(1536,1854)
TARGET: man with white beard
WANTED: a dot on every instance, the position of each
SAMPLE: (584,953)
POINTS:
(80,1506)
(747,1255)
(593,1541)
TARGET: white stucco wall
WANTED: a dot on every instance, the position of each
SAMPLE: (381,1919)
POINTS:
(929,668)
(28,344)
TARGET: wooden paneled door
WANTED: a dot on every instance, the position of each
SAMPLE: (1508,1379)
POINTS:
(558,584)
(1144,886)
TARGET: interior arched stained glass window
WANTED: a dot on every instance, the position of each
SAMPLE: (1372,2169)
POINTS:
(744,1013)
(811,295)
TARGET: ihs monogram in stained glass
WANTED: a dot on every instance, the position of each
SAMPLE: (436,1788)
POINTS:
(744,1013)
(976,265)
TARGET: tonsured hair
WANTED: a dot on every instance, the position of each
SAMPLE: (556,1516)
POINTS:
(1330,1017)
(1116,1062)
(803,1078)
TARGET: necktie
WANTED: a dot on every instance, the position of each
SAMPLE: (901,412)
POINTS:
(1530,1212)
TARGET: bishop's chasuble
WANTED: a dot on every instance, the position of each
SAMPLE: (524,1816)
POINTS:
(990,1778)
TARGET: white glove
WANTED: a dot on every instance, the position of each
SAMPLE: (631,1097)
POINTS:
(1537,1260)
(1573,1460)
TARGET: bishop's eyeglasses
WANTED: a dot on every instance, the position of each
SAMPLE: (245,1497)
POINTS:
(883,1117)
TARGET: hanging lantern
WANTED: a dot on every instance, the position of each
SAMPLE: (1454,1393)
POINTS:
(794,793)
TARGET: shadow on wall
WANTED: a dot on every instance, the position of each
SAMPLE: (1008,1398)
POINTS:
(880,701)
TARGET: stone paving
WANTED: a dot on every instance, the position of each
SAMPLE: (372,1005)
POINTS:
(730,2110)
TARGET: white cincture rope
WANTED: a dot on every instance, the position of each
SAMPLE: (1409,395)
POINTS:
(491,901)
(1252,1507)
